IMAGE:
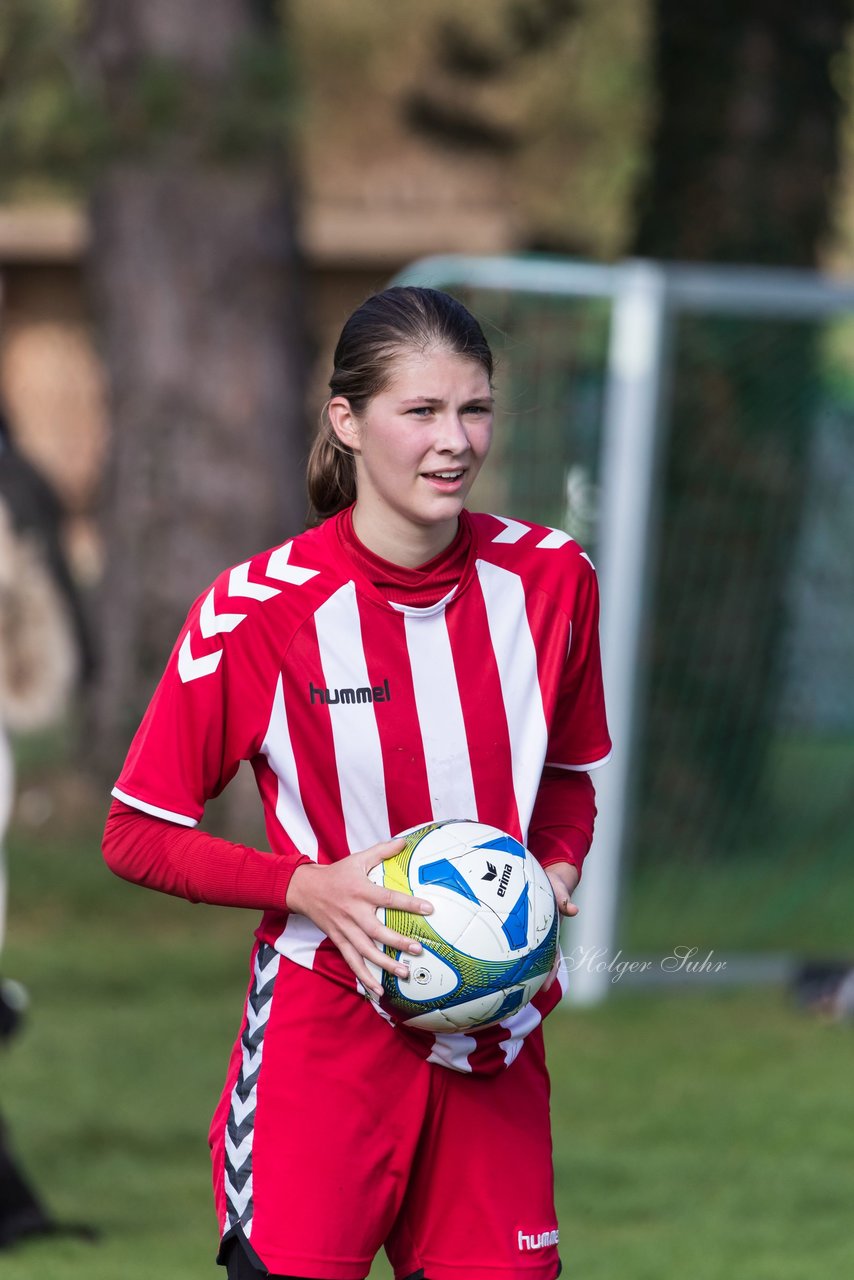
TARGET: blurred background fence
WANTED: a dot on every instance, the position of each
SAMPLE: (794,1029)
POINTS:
(694,428)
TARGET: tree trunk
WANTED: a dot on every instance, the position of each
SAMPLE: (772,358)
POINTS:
(744,161)
(195,286)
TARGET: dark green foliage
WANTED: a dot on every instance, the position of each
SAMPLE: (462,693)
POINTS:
(161,106)
(743,167)
(533,26)
(60,121)
(526,28)
(462,53)
(457,125)
(50,125)
(462,58)
(745,149)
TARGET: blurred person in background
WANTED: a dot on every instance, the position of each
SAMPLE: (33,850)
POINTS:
(44,649)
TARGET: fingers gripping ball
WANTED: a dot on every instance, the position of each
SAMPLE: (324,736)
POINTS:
(492,938)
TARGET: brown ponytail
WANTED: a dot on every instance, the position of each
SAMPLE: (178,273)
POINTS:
(330,472)
(401,318)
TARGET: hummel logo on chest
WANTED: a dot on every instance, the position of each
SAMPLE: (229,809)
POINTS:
(367,693)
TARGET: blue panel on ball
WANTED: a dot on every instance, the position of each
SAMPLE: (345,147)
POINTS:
(445,873)
(516,925)
(539,960)
(505,844)
(511,1003)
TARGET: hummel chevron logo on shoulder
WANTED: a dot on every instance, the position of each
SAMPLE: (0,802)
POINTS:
(214,623)
(239,585)
(515,530)
(278,567)
(190,668)
(554,538)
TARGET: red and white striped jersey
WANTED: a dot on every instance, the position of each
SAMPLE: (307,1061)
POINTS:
(362,718)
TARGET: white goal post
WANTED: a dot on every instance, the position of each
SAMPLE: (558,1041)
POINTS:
(644,298)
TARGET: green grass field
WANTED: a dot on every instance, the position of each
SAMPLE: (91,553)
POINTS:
(698,1134)
(790,889)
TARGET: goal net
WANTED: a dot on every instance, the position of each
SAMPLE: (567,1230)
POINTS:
(694,429)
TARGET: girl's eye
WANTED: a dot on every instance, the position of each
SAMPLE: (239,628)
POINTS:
(426,410)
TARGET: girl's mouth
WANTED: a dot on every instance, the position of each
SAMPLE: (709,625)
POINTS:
(444,478)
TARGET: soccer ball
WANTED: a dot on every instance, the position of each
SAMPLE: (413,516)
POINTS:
(491,939)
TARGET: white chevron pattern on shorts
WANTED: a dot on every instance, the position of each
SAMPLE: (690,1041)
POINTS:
(251,1059)
(240,1128)
(241,1108)
(255,1020)
(268,973)
(239,1199)
(238,1155)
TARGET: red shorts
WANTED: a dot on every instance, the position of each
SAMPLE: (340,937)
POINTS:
(333,1138)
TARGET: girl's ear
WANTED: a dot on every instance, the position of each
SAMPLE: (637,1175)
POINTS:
(344,422)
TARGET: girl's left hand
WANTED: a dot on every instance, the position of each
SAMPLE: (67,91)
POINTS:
(564,878)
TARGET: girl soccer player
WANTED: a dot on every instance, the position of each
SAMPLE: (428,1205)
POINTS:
(403,662)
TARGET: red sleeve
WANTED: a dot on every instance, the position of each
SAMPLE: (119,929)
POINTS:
(579,739)
(193,864)
(562,822)
(200,724)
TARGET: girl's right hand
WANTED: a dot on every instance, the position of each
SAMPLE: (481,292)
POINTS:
(340,899)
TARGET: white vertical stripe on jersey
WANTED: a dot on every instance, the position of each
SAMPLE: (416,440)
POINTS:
(516,657)
(440,717)
(358,754)
(300,938)
(278,749)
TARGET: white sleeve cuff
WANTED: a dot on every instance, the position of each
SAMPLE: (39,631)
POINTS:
(180,818)
(580,768)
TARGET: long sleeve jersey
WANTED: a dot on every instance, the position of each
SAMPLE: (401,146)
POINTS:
(363,715)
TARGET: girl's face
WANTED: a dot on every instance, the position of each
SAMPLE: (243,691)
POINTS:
(418,446)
